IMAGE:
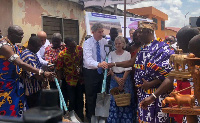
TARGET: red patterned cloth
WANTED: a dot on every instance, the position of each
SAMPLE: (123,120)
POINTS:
(52,54)
(134,53)
(181,85)
(70,63)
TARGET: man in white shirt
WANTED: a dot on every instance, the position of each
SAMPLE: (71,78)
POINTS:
(43,37)
(93,62)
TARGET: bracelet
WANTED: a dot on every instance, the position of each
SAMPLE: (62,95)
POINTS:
(40,72)
(154,95)
(13,58)
(115,64)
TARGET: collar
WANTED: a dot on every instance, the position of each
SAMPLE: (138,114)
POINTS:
(30,51)
(94,40)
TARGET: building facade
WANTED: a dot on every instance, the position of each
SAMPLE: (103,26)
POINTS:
(156,15)
(52,16)
(171,31)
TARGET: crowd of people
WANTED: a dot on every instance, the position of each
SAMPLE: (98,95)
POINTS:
(138,66)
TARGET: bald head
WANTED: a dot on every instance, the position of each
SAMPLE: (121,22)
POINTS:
(14,29)
(43,36)
(15,34)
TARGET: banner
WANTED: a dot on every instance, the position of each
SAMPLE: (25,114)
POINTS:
(104,3)
(110,21)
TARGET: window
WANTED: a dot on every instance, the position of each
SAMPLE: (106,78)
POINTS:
(156,21)
(66,27)
(52,25)
(162,25)
(71,29)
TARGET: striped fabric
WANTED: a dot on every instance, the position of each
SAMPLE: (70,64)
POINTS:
(139,66)
(157,68)
(32,85)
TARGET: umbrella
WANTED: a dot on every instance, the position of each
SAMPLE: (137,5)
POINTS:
(104,3)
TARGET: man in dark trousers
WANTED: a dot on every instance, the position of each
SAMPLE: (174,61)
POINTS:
(93,64)
(33,82)
(68,64)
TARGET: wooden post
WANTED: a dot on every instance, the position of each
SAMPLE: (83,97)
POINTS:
(115,9)
(191,119)
(125,18)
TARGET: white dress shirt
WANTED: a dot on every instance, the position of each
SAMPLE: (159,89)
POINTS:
(89,53)
(41,52)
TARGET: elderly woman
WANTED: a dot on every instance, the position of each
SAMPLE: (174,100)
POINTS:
(121,79)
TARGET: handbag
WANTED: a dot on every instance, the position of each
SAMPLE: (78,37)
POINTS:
(121,98)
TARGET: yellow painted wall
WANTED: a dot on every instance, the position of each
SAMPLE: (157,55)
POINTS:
(5,16)
(28,14)
(169,32)
(159,33)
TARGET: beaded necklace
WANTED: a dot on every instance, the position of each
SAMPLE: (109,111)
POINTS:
(18,70)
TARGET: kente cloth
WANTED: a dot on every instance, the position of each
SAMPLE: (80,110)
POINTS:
(122,114)
(152,62)
(12,98)
(71,64)
(51,54)
(32,85)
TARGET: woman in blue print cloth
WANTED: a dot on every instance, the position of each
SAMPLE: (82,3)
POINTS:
(121,78)
(151,74)
(11,89)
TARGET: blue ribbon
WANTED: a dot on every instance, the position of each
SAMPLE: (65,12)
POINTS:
(105,76)
(62,100)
